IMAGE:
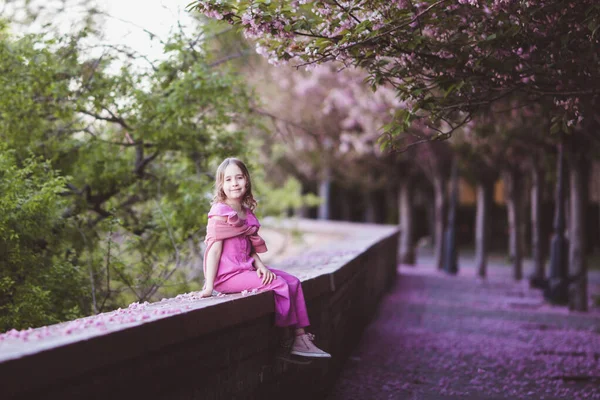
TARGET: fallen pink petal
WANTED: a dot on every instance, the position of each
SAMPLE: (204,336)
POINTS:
(457,336)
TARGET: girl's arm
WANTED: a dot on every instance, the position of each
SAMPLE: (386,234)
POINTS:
(212,266)
(212,263)
(261,270)
(257,261)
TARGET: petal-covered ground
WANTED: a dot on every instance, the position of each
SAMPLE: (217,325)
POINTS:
(443,337)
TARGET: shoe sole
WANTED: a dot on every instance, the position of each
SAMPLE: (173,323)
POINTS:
(294,361)
(311,355)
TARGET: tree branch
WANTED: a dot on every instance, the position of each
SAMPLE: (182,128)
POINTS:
(113,118)
(229,58)
(123,144)
(142,162)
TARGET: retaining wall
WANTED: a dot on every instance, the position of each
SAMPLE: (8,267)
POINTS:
(217,348)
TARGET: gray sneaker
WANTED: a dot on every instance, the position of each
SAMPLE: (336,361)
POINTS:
(283,353)
(304,346)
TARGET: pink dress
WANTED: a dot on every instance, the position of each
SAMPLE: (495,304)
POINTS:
(236,273)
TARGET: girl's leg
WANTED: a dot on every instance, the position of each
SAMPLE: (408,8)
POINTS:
(290,308)
(297,299)
(303,343)
(285,314)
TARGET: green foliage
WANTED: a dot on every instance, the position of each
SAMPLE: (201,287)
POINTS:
(279,200)
(40,281)
(107,172)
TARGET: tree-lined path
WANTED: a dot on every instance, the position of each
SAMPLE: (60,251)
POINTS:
(443,337)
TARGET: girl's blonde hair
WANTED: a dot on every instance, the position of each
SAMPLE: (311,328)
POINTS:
(248,200)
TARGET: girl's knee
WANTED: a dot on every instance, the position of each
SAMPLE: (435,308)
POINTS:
(278,282)
(293,281)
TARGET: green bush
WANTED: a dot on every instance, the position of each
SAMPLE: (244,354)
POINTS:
(39,281)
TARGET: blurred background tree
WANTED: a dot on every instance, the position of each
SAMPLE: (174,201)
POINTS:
(107,170)
(452,63)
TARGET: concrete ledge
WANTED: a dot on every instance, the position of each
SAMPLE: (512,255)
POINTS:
(217,348)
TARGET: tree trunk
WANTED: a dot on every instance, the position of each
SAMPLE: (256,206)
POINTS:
(568,214)
(578,184)
(450,243)
(371,207)
(345,209)
(525,218)
(557,290)
(325,193)
(512,182)
(405,214)
(537,247)
(302,211)
(485,193)
(439,188)
(391,205)
(430,210)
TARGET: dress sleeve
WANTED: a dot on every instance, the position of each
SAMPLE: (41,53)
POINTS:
(223,210)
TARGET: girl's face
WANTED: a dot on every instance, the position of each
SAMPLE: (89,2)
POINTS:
(234,183)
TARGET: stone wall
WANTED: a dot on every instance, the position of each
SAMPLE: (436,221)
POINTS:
(217,348)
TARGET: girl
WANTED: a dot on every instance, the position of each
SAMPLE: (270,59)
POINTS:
(231,261)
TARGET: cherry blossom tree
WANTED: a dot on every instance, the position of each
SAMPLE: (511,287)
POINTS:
(434,159)
(480,161)
(507,141)
(580,150)
(447,59)
(327,122)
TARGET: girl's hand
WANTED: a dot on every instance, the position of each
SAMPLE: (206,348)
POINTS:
(265,274)
(206,292)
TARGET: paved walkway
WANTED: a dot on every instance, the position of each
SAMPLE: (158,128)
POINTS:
(443,337)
